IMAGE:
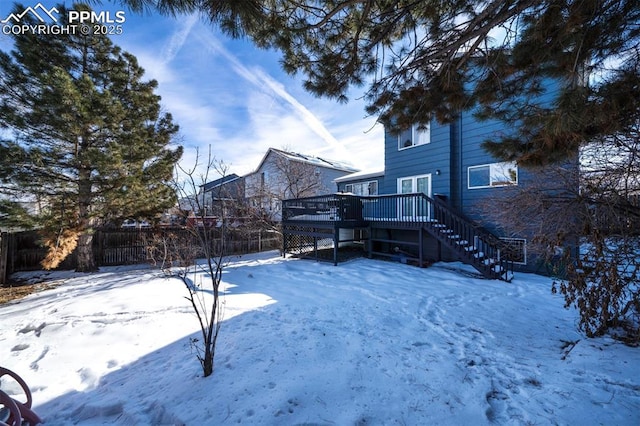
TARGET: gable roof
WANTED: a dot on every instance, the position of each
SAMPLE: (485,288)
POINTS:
(309,159)
(218,182)
(363,174)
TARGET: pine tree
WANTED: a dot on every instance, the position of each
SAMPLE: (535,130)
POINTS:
(435,58)
(88,137)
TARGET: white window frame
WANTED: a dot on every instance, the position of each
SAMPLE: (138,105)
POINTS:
(524,247)
(349,187)
(416,140)
(492,172)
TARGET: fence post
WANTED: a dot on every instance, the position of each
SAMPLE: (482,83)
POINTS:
(4,250)
(97,246)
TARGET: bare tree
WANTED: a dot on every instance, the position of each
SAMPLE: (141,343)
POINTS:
(284,177)
(297,179)
(545,208)
(196,255)
(585,223)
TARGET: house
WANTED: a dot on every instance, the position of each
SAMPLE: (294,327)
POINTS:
(427,204)
(220,198)
(283,174)
(217,196)
(361,183)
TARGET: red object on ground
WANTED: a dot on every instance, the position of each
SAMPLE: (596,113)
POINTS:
(17,413)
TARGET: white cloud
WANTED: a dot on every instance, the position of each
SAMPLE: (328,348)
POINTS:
(154,67)
(228,96)
(221,99)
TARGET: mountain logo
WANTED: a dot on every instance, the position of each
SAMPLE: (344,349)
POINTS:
(38,11)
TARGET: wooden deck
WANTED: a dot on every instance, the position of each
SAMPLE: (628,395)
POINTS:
(310,223)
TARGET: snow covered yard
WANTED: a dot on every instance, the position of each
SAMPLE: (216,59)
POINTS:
(364,343)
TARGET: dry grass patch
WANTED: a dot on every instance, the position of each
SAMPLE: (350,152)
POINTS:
(18,291)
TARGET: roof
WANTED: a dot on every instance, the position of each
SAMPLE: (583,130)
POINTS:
(218,182)
(363,174)
(309,159)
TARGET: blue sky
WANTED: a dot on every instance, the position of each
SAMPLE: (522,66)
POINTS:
(235,98)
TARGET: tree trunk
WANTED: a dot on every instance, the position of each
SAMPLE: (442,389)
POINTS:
(86,261)
(207,361)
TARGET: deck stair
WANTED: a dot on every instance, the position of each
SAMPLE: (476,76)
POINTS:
(472,244)
(312,217)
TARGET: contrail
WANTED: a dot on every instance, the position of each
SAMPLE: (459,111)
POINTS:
(260,79)
(178,39)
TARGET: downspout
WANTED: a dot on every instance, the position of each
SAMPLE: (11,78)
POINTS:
(462,174)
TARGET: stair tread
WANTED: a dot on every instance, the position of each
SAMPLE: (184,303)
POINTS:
(471,247)
(507,276)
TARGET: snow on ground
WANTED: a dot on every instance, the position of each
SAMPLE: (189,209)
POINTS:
(364,343)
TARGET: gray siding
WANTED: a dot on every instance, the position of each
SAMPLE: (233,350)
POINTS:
(472,133)
(328,177)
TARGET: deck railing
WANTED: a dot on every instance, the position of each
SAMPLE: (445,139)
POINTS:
(325,208)
(472,243)
(397,208)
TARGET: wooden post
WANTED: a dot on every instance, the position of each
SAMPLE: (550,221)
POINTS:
(4,250)
(315,246)
(336,242)
(284,242)
(99,248)
(420,247)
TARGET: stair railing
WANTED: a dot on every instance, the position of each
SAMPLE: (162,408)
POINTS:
(474,243)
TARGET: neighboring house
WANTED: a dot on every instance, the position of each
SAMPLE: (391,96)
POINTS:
(361,183)
(222,197)
(283,175)
(425,206)
(226,188)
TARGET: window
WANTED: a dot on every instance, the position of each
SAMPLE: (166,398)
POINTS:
(515,250)
(492,175)
(414,136)
(362,188)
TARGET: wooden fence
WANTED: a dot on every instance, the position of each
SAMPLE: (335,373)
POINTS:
(4,245)
(22,251)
